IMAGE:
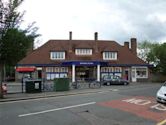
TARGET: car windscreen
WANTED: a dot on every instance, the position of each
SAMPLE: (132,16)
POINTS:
(164,83)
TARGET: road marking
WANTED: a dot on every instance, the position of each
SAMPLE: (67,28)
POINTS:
(59,96)
(162,122)
(114,90)
(145,107)
(57,109)
(46,97)
(103,91)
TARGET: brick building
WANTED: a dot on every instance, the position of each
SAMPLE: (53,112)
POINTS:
(84,59)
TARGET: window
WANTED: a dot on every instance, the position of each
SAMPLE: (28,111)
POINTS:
(56,72)
(107,69)
(118,69)
(83,51)
(110,55)
(57,55)
(142,72)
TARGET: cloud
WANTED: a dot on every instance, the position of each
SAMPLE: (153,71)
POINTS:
(113,19)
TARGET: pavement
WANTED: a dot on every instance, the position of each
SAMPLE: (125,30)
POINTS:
(26,96)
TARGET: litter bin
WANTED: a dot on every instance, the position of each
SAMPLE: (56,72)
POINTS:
(61,84)
(33,86)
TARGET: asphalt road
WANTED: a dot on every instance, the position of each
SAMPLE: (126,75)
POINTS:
(120,105)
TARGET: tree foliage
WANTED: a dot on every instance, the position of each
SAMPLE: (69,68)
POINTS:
(154,53)
(14,42)
(9,16)
(15,47)
(158,56)
(143,50)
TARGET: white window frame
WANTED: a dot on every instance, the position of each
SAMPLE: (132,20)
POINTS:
(83,52)
(108,55)
(139,76)
(57,55)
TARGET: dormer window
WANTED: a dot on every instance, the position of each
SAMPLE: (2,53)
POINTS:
(57,55)
(83,51)
(110,55)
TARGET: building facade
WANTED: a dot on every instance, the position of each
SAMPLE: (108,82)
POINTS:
(84,59)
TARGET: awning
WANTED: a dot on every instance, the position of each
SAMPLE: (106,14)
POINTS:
(25,69)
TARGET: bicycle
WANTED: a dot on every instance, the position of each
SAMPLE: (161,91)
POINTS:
(48,87)
(94,84)
(75,85)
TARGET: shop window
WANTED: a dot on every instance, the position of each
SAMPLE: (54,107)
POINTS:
(49,69)
(142,73)
(107,69)
(118,69)
(56,72)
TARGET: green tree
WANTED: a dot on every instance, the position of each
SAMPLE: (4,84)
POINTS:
(143,50)
(9,18)
(13,42)
(158,55)
(15,46)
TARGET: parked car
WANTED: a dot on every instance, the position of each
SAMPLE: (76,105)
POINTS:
(114,80)
(161,94)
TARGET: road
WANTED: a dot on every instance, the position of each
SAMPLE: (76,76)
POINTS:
(118,105)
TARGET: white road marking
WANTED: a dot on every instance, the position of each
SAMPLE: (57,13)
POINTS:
(57,109)
(115,90)
(103,91)
(45,98)
(162,122)
(60,96)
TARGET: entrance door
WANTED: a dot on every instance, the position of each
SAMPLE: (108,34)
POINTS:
(84,73)
(133,75)
(39,74)
(127,74)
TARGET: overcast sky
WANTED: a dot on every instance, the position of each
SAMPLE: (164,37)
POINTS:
(117,20)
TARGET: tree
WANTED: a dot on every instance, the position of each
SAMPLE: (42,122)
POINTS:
(13,42)
(9,18)
(155,54)
(143,50)
(158,55)
(15,46)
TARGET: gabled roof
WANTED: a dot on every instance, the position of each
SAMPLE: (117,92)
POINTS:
(42,54)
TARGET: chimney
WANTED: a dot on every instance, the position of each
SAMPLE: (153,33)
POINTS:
(70,43)
(134,46)
(126,45)
(70,35)
(96,35)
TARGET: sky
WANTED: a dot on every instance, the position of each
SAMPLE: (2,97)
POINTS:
(117,20)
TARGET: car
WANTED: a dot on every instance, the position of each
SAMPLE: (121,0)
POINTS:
(114,80)
(161,94)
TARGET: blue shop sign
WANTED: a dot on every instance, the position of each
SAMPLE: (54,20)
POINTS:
(84,63)
(87,63)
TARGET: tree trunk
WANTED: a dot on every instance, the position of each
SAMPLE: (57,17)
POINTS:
(4,73)
(1,77)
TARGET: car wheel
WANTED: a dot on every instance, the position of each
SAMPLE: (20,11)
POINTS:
(125,83)
(108,83)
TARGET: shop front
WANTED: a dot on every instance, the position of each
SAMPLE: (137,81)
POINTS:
(85,70)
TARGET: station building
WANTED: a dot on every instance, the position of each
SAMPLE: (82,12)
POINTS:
(84,59)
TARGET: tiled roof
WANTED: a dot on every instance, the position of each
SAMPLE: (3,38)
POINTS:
(42,54)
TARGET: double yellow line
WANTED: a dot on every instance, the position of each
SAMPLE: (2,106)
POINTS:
(162,122)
